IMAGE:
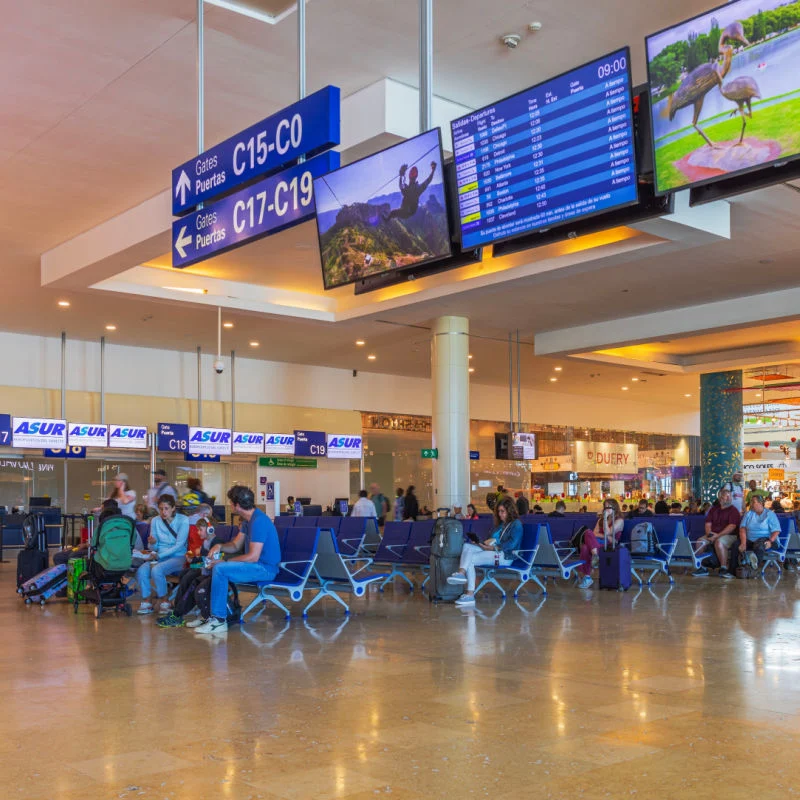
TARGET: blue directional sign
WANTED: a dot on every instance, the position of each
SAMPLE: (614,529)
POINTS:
(310,443)
(173,437)
(70,452)
(305,128)
(204,457)
(5,430)
(474,455)
(266,207)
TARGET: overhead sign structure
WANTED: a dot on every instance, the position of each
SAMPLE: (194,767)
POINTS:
(266,207)
(39,433)
(309,126)
(287,462)
(70,452)
(344,446)
(606,457)
(310,443)
(279,444)
(127,437)
(247,442)
(84,435)
(172,437)
(209,441)
(5,430)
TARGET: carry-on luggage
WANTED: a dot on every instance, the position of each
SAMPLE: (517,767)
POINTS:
(446,545)
(75,586)
(43,586)
(33,558)
(615,566)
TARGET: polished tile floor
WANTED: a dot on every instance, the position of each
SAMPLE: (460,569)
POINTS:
(688,694)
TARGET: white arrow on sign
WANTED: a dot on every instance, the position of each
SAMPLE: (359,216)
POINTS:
(183,185)
(182,241)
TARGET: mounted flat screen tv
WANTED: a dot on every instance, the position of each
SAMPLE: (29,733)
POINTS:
(384,213)
(725,92)
(552,154)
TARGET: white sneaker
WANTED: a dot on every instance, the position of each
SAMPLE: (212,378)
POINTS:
(145,608)
(466,600)
(213,625)
(585,582)
(165,606)
(196,623)
(457,577)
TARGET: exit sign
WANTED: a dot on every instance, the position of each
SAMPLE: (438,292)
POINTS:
(432,452)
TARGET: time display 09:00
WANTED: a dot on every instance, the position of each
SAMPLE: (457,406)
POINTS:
(612,67)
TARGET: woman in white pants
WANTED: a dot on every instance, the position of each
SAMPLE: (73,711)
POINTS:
(497,550)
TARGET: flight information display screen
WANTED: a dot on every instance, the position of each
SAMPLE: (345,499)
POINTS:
(560,151)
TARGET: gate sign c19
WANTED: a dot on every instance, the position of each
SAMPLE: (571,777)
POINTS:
(127,437)
(340,446)
(210,441)
(309,126)
(279,444)
(248,442)
(265,207)
(85,435)
(310,443)
(39,433)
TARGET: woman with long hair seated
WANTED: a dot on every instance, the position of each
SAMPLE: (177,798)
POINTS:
(609,524)
(497,550)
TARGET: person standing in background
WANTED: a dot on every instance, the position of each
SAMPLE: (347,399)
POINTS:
(399,505)
(411,508)
(363,507)
(124,495)
(160,487)
(380,502)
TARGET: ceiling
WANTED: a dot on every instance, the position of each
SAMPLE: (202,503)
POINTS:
(98,105)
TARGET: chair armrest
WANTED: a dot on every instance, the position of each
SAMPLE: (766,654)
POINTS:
(284,566)
(420,547)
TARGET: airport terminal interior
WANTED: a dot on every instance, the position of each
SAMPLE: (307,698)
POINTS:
(399,399)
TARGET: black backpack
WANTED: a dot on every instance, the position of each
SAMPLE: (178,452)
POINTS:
(576,540)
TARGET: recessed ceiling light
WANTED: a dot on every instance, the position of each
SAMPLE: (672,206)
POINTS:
(187,289)
(687,395)
(624,388)
(470,356)
(758,394)
(360,342)
(558,369)
(553,380)
(634,379)
(227,324)
(471,369)
(111,327)
(64,303)
(253,344)
(371,357)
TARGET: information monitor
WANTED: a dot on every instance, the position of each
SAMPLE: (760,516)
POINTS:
(559,151)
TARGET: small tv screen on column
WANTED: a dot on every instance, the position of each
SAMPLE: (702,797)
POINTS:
(725,92)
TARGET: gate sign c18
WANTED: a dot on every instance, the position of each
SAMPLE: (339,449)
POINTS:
(310,443)
(309,126)
(173,437)
(344,446)
(210,441)
(127,437)
(279,444)
(39,433)
(265,207)
(84,435)
(247,442)
(72,451)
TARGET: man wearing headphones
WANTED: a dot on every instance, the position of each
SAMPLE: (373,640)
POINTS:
(257,563)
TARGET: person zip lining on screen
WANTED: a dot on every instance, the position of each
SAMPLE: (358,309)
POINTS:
(411,191)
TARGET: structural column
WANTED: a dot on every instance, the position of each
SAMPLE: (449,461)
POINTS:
(720,429)
(450,418)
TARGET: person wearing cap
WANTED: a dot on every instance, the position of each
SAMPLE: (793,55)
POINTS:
(124,495)
(160,487)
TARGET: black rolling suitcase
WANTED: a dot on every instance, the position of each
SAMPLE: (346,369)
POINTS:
(446,545)
(33,558)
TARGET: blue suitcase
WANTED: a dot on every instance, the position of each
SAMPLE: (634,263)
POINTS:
(43,586)
(615,569)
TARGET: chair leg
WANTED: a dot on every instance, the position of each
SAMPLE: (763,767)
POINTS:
(320,594)
(269,598)
(636,575)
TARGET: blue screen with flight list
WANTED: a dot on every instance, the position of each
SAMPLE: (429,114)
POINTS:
(557,152)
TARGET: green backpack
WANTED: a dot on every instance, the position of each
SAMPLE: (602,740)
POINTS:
(113,542)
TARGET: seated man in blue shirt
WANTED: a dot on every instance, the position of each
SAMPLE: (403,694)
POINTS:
(760,528)
(258,562)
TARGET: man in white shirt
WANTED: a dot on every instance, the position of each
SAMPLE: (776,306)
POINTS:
(363,507)
(160,486)
(736,488)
